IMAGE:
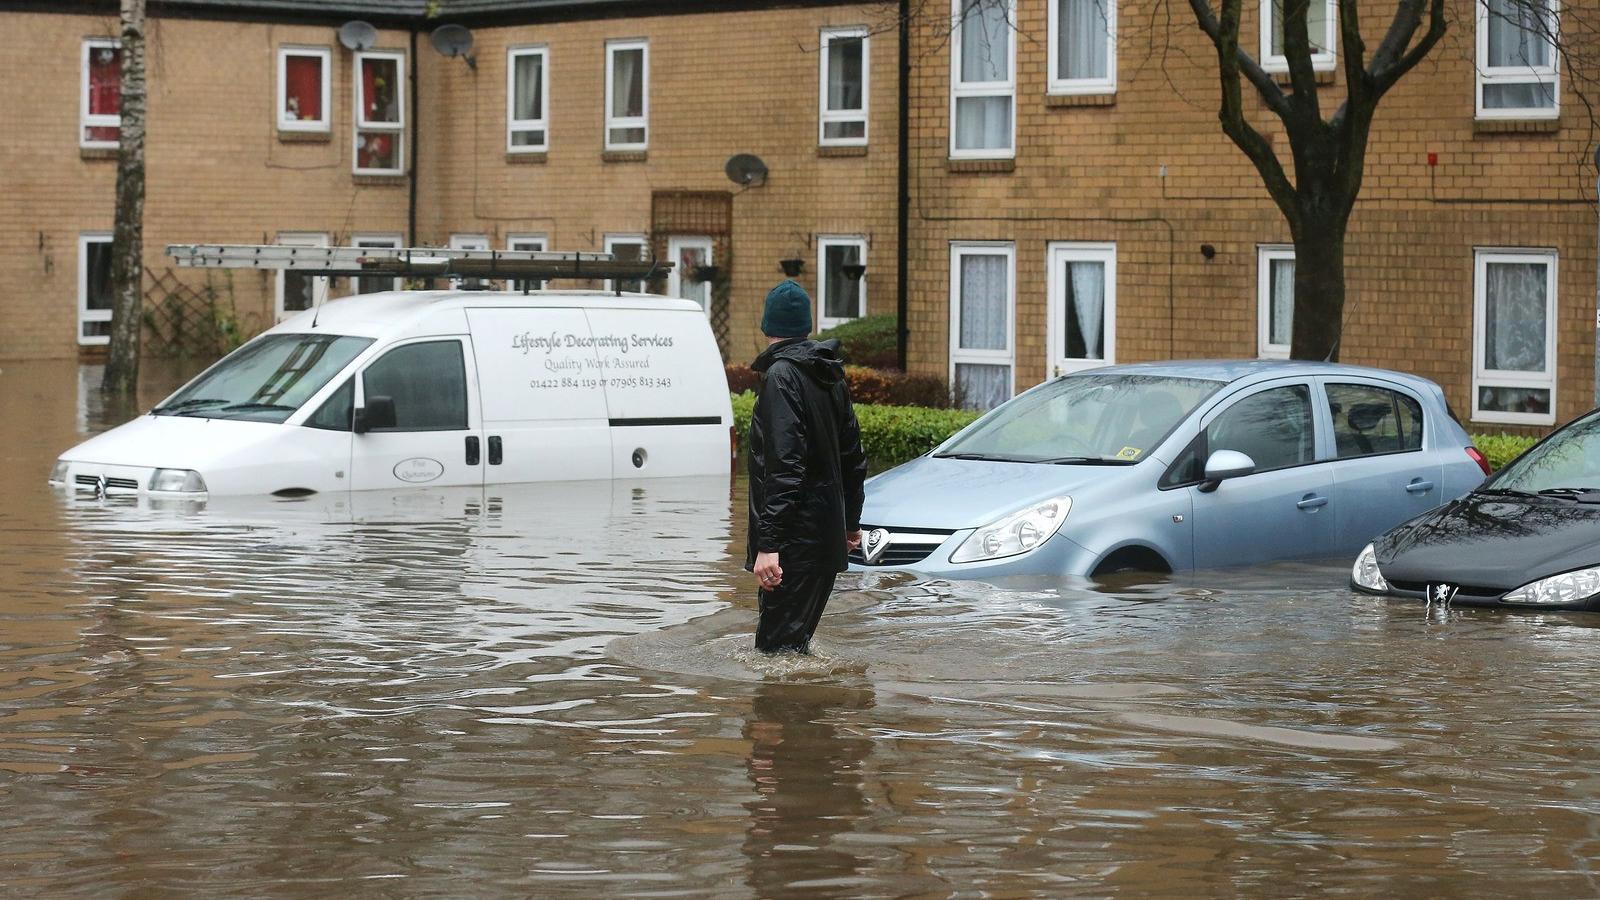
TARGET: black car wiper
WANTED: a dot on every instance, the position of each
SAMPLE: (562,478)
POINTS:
(1504,492)
(189,404)
(1580,494)
(1084,461)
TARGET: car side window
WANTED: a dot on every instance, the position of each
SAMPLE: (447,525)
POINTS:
(426,381)
(334,413)
(1273,428)
(1369,420)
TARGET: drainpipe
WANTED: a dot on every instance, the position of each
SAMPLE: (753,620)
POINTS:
(903,189)
(416,148)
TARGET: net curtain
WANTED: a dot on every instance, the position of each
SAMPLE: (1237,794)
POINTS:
(1081,43)
(984,325)
(1514,317)
(1088,287)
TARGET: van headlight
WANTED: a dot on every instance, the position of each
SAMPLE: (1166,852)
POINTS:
(175,481)
(58,475)
(1365,572)
(1020,532)
(1568,587)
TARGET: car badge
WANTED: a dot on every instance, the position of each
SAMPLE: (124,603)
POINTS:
(1442,594)
(874,545)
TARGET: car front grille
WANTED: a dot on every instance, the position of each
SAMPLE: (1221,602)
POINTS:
(1463,592)
(906,546)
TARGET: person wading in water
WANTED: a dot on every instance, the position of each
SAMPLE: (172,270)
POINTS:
(806,474)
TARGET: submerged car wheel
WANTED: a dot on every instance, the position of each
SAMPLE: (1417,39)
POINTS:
(1130,560)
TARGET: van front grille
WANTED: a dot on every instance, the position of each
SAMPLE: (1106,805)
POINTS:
(110,484)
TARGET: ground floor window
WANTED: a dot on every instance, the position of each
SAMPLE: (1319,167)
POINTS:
(626,247)
(841,280)
(298,291)
(537,242)
(371,284)
(983,280)
(94,288)
(468,242)
(691,273)
(1514,336)
(1274,300)
(1083,306)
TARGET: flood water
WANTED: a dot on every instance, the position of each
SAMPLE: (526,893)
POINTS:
(548,691)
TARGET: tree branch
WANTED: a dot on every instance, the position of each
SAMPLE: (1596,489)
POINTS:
(1393,60)
(1297,51)
(1271,94)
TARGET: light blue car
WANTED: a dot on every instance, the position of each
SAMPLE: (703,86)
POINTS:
(1170,466)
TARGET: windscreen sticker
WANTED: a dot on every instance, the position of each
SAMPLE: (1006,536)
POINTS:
(1129,453)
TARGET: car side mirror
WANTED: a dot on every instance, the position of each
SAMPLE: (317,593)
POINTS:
(1223,465)
(378,413)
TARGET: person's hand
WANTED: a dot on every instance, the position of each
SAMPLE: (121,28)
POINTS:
(852,540)
(768,571)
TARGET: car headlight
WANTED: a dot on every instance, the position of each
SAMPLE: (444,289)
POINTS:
(1568,587)
(1015,534)
(177,481)
(58,475)
(1365,572)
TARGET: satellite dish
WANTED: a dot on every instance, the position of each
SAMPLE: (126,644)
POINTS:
(357,35)
(746,169)
(453,41)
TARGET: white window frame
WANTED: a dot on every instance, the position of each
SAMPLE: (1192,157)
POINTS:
(1321,60)
(1266,254)
(1007,357)
(611,240)
(515,125)
(85,120)
(824,322)
(391,240)
(1491,75)
(960,89)
(85,314)
(825,116)
(468,241)
(318,125)
(528,241)
(1081,86)
(641,121)
(359,116)
(1483,377)
(1058,253)
(319,284)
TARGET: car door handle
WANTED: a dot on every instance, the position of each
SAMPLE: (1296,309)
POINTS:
(1312,501)
(1418,486)
(495,450)
(473,452)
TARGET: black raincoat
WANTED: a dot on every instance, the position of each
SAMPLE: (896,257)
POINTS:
(806,462)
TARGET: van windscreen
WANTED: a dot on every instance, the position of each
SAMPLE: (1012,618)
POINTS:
(267,379)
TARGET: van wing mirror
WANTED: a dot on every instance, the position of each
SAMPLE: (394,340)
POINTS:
(378,413)
(1223,465)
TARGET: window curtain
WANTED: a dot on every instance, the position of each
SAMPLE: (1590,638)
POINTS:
(1087,281)
(982,386)
(98,294)
(1517,34)
(985,42)
(844,293)
(983,123)
(378,78)
(105,81)
(529,90)
(844,74)
(1316,26)
(302,77)
(627,84)
(1280,330)
(1514,317)
(984,302)
(1081,42)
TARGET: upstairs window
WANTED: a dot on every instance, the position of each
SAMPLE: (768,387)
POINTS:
(627,95)
(303,90)
(1517,75)
(527,101)
(1322,22)
(380,114)
(983,82)
(101,118)
(843,119)
(1083,46)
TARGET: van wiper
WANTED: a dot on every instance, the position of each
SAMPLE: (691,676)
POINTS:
(255,406)
(1085,461)
(188,404)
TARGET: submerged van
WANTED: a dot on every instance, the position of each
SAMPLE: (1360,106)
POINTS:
(437,388)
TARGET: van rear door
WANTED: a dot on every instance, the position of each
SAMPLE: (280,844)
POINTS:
(666,392)
(434,437)
(544,406)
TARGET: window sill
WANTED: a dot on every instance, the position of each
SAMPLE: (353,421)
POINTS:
(538,158)
(1516,126)
(625,156)
(839,152)
(1321,77)
(980,165)
(305,137)
(379,180)
(97,153)
(1065,101)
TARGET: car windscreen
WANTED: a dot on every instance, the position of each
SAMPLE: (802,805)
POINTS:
(1090,419)
(267,379)
(1569,460)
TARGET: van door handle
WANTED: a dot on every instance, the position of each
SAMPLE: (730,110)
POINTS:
(1312,501)
(473,454)
(1418,486)
(495,454)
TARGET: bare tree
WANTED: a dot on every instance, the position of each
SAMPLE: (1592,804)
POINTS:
(127,243)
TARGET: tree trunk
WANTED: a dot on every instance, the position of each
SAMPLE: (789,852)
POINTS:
(1318,289)
(127,247)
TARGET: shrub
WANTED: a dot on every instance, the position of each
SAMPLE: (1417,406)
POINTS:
(741,378)
(891,435)
(871,386)
(868,341)
(1501,449)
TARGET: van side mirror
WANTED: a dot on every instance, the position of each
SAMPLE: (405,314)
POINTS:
(1223,465)
(378,413)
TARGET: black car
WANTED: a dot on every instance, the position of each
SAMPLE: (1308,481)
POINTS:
(1528,537)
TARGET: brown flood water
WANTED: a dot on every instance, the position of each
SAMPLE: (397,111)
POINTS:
(548,691)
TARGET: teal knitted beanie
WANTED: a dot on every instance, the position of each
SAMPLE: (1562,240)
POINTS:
(788,311)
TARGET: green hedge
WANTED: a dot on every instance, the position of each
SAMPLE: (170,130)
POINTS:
(892,435)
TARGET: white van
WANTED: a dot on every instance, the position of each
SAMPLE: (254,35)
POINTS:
(437,388)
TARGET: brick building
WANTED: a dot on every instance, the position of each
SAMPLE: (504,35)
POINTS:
(1070,197)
